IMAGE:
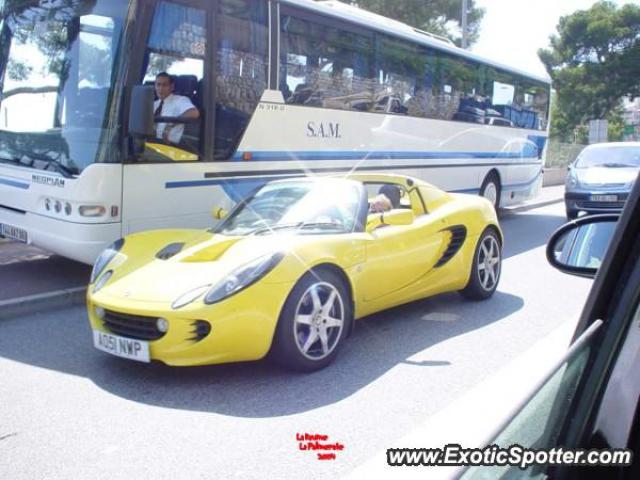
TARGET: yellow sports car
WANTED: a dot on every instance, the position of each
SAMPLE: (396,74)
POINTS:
(289,270)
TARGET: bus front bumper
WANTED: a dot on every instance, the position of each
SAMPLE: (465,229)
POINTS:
(78,241)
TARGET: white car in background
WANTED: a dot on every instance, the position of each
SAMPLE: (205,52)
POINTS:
(600,179)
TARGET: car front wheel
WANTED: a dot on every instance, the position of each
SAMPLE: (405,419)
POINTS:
(313,323)
(486,268)
(572,214)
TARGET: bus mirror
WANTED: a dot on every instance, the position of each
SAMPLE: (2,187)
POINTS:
(141,111)
(219,213)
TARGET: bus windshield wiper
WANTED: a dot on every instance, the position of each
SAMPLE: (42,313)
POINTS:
(58,167)
(9,159)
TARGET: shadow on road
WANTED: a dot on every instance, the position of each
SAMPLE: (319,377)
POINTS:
(41,274)
(63,342)
(527,231)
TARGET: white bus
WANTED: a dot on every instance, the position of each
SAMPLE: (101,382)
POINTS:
(284,88)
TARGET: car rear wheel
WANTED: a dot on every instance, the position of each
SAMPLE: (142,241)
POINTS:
(313,323)
(490,189)
(486,268)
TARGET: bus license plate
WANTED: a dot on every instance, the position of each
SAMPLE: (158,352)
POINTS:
(604,198)
(121,347)
(14,233)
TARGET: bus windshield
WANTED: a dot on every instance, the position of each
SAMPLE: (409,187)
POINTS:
(57,68)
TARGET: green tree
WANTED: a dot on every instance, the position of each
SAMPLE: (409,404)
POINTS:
(616,124)
(594,62)
(441,17)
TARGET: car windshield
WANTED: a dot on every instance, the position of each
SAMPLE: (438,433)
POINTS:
(613,157)
(305,207)
(57,65)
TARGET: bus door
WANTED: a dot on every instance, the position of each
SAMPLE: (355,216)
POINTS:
(175,60)
(217,54)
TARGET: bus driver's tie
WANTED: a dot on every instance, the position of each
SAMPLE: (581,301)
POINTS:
(159,109)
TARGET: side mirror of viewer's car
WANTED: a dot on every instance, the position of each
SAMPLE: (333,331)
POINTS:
(579,247)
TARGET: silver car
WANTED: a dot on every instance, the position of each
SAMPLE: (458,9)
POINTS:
(600,179)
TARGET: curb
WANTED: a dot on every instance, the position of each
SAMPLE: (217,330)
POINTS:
(532,206)
(17,307)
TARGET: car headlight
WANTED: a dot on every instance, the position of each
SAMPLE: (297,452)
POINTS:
(104,258)
(243,277)
(572,180)
(102,281)
(189,297)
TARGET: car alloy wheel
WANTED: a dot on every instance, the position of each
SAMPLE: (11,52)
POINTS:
(319,320)
(488,266)
(314,322)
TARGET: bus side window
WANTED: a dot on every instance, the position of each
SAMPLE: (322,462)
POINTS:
(176,46)
(242,66)
(326,66)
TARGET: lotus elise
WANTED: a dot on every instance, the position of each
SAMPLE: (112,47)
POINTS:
(289,270)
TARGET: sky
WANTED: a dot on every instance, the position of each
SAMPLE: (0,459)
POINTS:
(512,31)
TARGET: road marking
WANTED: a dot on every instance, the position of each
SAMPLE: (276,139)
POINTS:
(28,305)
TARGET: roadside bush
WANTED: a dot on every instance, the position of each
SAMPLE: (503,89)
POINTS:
(560,154)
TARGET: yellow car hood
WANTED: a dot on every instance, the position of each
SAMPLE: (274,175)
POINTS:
(204,259)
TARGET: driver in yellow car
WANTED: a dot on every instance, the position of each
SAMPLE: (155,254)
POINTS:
(388,198)
(169,104)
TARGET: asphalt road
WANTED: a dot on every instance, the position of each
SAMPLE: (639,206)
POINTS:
(69,411)
(26,270)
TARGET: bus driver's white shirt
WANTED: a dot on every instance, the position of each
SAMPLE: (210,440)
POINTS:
(173,106)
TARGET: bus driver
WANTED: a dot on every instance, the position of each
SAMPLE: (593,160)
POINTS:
(170,105)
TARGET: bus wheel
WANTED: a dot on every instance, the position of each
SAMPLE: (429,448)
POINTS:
(491,189)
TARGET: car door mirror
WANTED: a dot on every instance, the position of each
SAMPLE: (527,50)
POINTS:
(579,247)
(396,217)
(219,213)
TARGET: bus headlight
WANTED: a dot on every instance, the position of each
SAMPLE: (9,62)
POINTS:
(104,258)
(92,210)
(243,277)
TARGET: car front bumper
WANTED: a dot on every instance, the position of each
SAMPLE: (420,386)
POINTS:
(596,201)
(242,326)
